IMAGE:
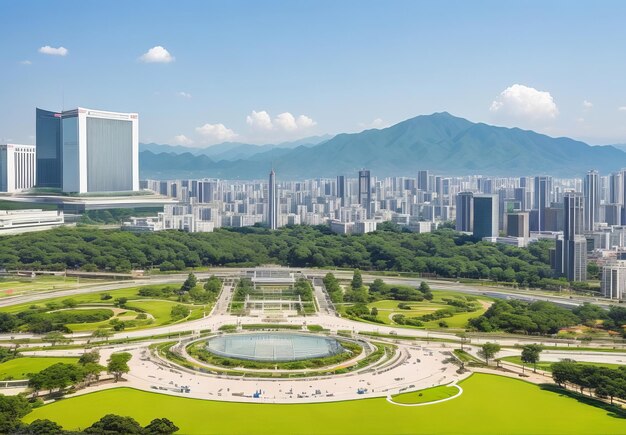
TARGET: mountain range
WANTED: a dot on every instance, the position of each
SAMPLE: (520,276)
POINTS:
(440,142)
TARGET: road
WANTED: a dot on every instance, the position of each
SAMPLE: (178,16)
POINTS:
(319,273)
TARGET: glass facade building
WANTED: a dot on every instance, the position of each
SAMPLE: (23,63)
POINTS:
(86,150)
(48,149)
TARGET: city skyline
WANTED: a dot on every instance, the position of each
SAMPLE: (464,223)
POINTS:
(224,75)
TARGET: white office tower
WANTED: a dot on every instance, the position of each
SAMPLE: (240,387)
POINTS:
(17,167)
(591,192)
(614,280)
(272,215)
(100,151)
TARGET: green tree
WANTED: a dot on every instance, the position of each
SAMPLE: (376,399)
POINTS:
(357,280)
(425,289)
(179,312)
(101,333)
(12,409)
(55,337)
(92,356)
(43,427)
(118,364)
(112,424)
(530,355)
(489,351)
(69,303)
(160,426)
(189,283)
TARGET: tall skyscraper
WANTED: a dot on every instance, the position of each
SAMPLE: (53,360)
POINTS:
(272,215)
(17,167)
(615,188)
(423,181)
(365,189)
(85,150)
(465,212)
(571,248)
(542,198)
(486,216)
(591,189)
(48,149)
(342,189)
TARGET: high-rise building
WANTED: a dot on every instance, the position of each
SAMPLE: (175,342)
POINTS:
(85,150)
(272,215)
(517,225)
(465,212)
(423,183)
(542,199)
(342,189)
(591,189)
(486,216)
(365,189)
(571,248)
(614,280)
(615,188)
(573,208)
(17,167)
(48,149)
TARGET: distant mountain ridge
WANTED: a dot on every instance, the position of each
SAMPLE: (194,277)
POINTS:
(440,142)
(232,150)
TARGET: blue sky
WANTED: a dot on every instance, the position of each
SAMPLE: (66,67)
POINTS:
(268,71)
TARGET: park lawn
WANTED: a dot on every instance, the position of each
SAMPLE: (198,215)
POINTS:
(490,404)
(547,365)
(388,308)
(19,368)
(428,395)
(161,310)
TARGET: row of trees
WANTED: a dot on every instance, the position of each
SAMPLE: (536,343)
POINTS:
(541,317)
(58,377)
(603,382)
(13,408)
(444,252)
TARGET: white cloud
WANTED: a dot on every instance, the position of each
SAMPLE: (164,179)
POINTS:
(183,94)
(216,133)
(622,108)
(25,62)
(157,54)
(587,104)
(181,139)
(526,103)
(377,123)
(54,51)
(285,122)
(259,120)
(304,121)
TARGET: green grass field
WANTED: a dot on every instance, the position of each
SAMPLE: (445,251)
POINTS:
(19,368)
(388,308)
(545,365)
(489,405)
(160,309)
(428,395)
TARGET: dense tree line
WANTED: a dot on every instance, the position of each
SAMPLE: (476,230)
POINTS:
(445,252)
(544,318)
(603,382)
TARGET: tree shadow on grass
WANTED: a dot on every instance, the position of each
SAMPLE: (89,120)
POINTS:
(613,410)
